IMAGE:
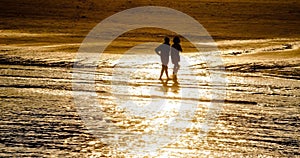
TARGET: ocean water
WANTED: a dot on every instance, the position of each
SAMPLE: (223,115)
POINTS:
(252,110)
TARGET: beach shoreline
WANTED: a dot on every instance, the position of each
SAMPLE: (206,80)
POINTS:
(258,43)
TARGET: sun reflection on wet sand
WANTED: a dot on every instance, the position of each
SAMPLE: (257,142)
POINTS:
(148,114)
(260,116)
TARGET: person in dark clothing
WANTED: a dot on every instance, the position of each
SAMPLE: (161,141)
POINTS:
(176,49)
(163,51)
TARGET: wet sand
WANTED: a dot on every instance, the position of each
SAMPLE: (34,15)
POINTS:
(260,116)
(259,42)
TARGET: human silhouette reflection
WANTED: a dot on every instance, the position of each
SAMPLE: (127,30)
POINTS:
(165,87)
(170,88)
(175,86)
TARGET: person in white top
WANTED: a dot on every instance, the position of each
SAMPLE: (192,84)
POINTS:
(163,51)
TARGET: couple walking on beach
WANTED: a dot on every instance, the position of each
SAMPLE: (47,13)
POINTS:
(164,51)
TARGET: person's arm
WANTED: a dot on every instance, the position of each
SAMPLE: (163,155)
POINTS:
(180,49)
(157,50)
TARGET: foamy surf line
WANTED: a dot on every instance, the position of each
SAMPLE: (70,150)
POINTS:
(55,58)
(238,47)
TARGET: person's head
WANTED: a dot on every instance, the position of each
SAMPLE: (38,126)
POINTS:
(176,40)
(167,40)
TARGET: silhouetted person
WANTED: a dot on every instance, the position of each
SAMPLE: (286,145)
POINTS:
(176,48)
(163,51)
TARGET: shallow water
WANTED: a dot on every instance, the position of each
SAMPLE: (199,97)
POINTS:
(259,116)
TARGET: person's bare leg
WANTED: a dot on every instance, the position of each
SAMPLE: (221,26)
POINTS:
(166,69)
(161,73)
(175,70)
